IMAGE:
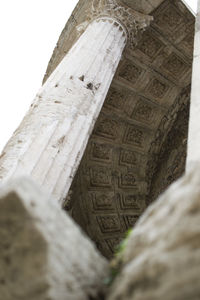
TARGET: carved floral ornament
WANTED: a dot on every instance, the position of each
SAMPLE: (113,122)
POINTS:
(132,21)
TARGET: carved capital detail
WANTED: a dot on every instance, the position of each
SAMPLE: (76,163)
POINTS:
(133,22)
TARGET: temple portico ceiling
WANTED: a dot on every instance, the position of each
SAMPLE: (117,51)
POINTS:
(138,145)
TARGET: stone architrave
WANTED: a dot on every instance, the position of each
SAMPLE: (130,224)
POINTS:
(51,139)
(43,253)
(193,153)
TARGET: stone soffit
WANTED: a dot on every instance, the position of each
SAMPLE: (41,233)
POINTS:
(130,157)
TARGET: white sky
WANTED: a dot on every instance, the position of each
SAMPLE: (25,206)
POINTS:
(29,31)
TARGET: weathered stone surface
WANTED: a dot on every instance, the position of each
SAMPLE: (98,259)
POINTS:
(43,254)
(162,256)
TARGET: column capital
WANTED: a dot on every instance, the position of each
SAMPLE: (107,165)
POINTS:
(132,21)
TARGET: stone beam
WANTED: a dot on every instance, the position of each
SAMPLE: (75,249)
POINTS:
(43,254)
(50,141)
(193,153)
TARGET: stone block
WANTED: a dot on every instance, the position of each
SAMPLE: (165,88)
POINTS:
(43,253)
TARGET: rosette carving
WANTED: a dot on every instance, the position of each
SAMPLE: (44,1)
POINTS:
(132,21)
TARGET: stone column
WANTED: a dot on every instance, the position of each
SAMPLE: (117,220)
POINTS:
(193,155)
(51,139)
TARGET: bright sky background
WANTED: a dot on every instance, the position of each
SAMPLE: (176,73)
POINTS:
(29,30)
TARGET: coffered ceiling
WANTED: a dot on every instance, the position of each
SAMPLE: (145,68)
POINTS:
(138,145)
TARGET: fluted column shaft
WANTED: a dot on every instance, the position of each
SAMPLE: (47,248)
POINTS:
(51,139)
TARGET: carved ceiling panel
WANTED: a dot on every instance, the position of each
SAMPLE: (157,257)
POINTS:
(172,19)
